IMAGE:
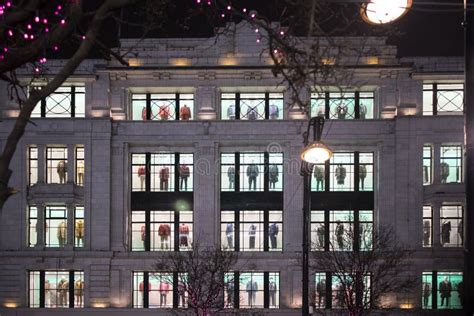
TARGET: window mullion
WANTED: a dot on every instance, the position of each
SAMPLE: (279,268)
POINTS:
(73,101)
(237,106)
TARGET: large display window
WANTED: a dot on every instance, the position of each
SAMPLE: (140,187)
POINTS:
(343,105)
(252,106)
(451,163)
(427,226)
(442,290)
(56,289)
(451,229)
(443,98)
(66,101)
(56,226)
(162,106)
(56,164)
(159,290)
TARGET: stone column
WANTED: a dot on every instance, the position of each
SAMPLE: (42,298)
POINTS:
(41,163)
(436,224)
(70,226)
(40,226)
(436,163)
(71,163)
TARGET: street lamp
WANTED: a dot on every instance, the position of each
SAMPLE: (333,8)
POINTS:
(316,152)
(375,12)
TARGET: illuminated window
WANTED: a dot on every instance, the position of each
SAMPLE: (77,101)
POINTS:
(427,164)
(56,165)
(56,226)
(80,167)
(427,226)
(159,290)
(252,106)
(162,107)
(32,225)
(343,106)
(442,290)
(79,226)
(451,230)
(32,165)
(443,98)
(451,163)
(254,289)
(56,289)
(66,101)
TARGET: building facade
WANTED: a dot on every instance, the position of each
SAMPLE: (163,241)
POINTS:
(197,140)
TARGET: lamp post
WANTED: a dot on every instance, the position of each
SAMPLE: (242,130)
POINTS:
(313,153)
(375,12)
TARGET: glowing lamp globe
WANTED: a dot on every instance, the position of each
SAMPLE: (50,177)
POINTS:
(316,152)
(384,11)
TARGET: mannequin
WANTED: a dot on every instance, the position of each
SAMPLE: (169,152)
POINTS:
(47,294)
(231,112)
(445,232)
(231,176)
(274,112)
(63,289)
(426,294)
(164,112)
(340,174)
(341,111)
(79,233)
(444,172)
(164,177)
(229,233)
(252,233)
(426,179)
(426,233)
(141,288)
(183,235)
(144,113)
(362,175)
(141,175)
(164,231)
(62,234)
(272,289)
(340,235)
(182,293)
(320,111)
(252,113)
(80,172)
(362,111)
(164,288)
(230,293)
(445,289)
(185,113)
(321,292)
(251,288)
(62,170)
(320,233)
(272,233)
(252,174)
(460,231)
(319,176)
(79,292)
(273,175)
(183,176)
(143,235)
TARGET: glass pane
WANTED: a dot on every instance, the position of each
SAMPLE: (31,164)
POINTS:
(160,290)
(56,165)
(227,172)
(227,230)
(56,287)
(275,230)
(186,172)
(163,107)
(427,171)
(251,171)
(318,231)
(318,104)
(366,171)
(252,106)
(274,289)
(451,225)
(56,226)
(427,288)
(80,169)
(450,286)
(341,230)
(33,222)
(185,230)
(320,290)
(342,106)
(186,108)
(229,290)
(366,105)
(138,289)
(139,107)
(32,165)
(138,231)
(342,172)
(450,166)
(251,230)
(78,289)
(318,183)
(427,226)
(138,172)
(251,290)
(34,289)
(162,231)
(275,171)
(79,227)
(162,172)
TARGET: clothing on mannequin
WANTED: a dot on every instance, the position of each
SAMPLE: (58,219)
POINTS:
(141,288)
(446,232)
(251,288)
(460,231)
(426,294)
(183,235)
(164,112)
(79,232)
(231,177)
(181,294)
(319,176)
(340,235)
(320,232)
(80,172)
(141,175)
(362,111)
(185,113)
(321,292)
(164,288)
(320,111)
(274,112)
(63,291)
(229,233)
(426,178)
(272,234)
(272,290)
(79,292)
(252,233)
(231,112)
(362,175)
(143,234)
(164,231)
(444,172)
(48,296)
(273,174)
(445,289)
(164,177)
(341,111)
(340,174)
(183,177)
(426,233)
(144,113)
(252,174)
(252,113)
(61,169)
(62,234)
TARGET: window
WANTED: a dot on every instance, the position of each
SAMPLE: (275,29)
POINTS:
(56,289)
(162,107)
(252,106)
(255,290)
(252,230)
(158,290)
(79,227)
(427,226)
(32,224)
(56,165)
(442,290)
(443,98)
(32,165)
(343,106)
(345,171)
(451,225)
(56,226)
(320,290)
(80,168)
(247,172)
(451,164)
(427,163)
(165,230)
(341,230)
(167,172)
(66,101)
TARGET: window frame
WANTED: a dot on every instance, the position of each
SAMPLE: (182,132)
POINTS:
(74,91)
(434,291)
(458,162)
(238,100)
(50,169)
(150,102)
(33,170)
(432,89)
(327,96)
(427,164)
(459,228)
